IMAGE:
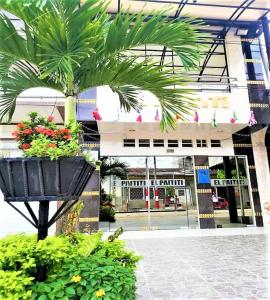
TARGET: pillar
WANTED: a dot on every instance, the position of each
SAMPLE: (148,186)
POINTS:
(89,216)
(204,194)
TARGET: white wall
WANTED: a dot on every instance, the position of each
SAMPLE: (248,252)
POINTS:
(112,140)
(262,171)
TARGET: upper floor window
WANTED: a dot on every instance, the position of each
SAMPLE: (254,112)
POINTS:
(158,143)
(172,143)
(215,143)
(129,142)
(187,143)
(144,143)
(201,143)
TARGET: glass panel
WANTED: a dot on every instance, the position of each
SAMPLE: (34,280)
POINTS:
(153,193)
(174,205)
(244,206)
(230,191)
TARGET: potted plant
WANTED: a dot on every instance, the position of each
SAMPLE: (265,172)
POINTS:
(51,168)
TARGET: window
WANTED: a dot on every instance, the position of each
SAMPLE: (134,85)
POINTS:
(144,143)
(158,143)
(201,143)
(215,143)
(187,143)
(172,143)
(129,143)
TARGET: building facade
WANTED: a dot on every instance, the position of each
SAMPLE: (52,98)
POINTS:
(213,169)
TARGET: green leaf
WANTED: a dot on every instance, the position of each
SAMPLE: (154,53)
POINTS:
(70,290)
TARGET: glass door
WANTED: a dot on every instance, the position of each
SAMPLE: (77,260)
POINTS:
(230,191)
(172,193)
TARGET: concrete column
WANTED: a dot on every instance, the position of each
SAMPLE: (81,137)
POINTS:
(89,217)
(204,194)
(262,171)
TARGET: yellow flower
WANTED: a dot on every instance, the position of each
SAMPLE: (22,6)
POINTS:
(76,278)
(100,293)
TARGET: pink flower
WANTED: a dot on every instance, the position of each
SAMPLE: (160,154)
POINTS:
(27,131)
(48,132)
(50,118)
(39,129)
(26,146)
(20,125)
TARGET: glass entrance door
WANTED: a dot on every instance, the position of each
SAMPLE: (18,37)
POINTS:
(230,191)
(154,193)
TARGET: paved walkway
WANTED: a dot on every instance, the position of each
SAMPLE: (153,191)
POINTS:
(202,264)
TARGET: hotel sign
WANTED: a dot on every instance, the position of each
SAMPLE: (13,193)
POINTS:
(229,182)
(151,183)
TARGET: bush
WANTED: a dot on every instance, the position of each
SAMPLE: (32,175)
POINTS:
(107,214)
(79,267)
(87,278)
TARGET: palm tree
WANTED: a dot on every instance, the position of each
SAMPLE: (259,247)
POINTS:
(71,47)
(115,168)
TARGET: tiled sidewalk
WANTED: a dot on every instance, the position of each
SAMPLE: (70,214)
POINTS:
(218,265)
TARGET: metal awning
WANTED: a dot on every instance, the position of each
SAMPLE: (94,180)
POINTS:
(242,10)
(219,17)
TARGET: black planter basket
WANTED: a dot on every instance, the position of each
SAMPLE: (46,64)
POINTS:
(42,179)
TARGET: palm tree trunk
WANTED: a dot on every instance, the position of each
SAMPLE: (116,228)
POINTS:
(70,115)
(70,109)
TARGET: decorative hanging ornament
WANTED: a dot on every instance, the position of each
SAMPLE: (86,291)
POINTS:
(177,118)
(157,116)
(214,121)
(139,118)
(196,117)
(96,115)
(234,117)
(252,120)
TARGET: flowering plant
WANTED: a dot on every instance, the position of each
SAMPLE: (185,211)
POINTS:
(40,137)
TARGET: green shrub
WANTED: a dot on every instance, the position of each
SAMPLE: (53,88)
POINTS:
(107,213)
(79,267)
(85,277)
(14,285)
(117,252)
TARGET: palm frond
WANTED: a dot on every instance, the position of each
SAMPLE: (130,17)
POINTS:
(127,31)
(129,78)
(11,42)
(20,77)
(76,47)
(114,168)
